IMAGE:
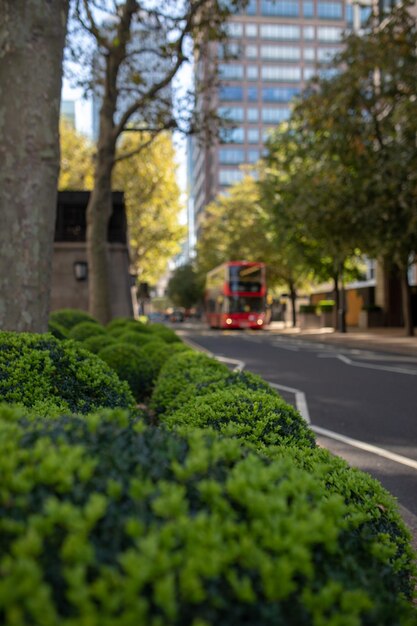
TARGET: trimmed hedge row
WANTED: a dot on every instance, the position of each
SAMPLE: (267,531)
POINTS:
(134,350)
(107,522)
(45,374)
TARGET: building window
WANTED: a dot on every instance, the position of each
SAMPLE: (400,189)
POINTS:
(251,8)
(274,115)
(308,33)
(308,9)
(253,135)
(230,177)
(282,8)
(251,30)
(309,54)
(251,52)
(234,114)
(252,115)
(252,72)
(253,156)
(229,156)
(330,10)
(283,53)
(230,93)
(286,74)
(234,29)
(252,94)
(232,135)
(329,33)
(230,50)
(231,72)
(280,31)
(279,94)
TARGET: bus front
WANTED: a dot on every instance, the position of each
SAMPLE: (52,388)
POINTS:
(244,304)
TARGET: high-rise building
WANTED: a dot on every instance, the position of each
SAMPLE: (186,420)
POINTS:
(274,48)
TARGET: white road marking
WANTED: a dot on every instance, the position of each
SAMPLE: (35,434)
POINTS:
(239,365)
(372,366)
(300,400)
(302,407)
(392,456)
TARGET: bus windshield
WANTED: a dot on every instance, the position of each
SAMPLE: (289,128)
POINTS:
(245,278)
(239,304)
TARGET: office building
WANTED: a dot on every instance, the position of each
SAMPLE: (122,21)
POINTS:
(276,47)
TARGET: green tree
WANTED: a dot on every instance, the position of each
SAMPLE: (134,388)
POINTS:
(135,50)
(76,172)
(153,203)
(241,226)
(32,36)
(185,288)
(364,119)
(312,205)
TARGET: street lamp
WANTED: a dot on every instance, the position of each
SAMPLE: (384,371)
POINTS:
(80,270)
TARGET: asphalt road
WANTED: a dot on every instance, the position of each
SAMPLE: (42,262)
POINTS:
(362,404)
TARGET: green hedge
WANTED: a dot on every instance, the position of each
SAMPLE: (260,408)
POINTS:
(95,343)
(158,352)
(185,374)
(70,317)
(195,374)
(107,522)
(254,416)
(131,364)
(124,324)
(84,330)
(39,371)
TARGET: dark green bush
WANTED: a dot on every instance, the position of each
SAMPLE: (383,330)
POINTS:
(326,306)
(126,324)
(57,330)
(135,338)
(39,370)
(158,352)
(70,317)
(167,334)
(182,377)
(254,416)
(131,364)
(308,308)
(96,343)
(84,330)
(195,374)
(107,522)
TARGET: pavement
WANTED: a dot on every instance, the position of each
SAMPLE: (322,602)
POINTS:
(392,340)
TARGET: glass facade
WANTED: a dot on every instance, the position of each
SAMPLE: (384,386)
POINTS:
(275,47)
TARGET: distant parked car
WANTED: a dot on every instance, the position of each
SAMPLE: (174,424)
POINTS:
(176,316)
(157,317)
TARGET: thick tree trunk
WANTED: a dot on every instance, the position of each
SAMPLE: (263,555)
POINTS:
(32,37)
(406,303)
(99,210)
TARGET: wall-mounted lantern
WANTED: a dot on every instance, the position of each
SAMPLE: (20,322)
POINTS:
(80,270)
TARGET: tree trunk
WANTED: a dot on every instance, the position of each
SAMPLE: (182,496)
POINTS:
(336,300)
(293,296)
(32,37)
(406,303)
(99,210)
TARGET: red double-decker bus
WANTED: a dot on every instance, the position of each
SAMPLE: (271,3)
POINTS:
(235,295)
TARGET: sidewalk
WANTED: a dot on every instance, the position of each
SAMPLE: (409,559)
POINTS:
(378,339)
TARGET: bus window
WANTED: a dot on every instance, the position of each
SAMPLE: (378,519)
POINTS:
(240,304)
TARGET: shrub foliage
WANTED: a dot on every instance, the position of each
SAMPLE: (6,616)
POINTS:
(105,521)
(40,370)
